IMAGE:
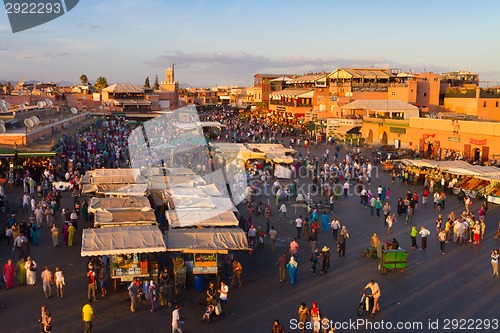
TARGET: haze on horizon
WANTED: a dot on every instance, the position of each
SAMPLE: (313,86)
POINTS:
(227,42)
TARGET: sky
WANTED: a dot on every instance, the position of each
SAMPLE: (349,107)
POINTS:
(223,43)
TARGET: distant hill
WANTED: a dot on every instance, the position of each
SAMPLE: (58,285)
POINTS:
(60,83)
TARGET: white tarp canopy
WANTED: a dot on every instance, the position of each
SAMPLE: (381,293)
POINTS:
(147,172)
(213,240)
(205,218)
(279,158)
(61,186)
(219,203)
(105,217)
(200,191)
(282,172)
(122,240)
(116,176)
(123,203)
(165,182)
(132,190)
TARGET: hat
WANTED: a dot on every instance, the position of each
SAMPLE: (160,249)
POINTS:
(325,248)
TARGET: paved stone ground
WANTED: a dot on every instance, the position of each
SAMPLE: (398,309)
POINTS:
(457,285)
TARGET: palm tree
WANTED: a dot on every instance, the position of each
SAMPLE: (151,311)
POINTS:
(83,79)
(101,83)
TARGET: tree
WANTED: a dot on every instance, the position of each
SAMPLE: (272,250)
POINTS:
(157,84)
(101,83)
(146,83)
(83,79)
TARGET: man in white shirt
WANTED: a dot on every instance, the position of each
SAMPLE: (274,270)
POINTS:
(26,202)
(176,320)
(335,225)
(282,211)
(424,233)
(373,286)
(273,237)
(224,291)
(299,223)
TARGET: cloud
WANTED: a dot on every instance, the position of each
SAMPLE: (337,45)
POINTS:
(89,26)
(239,67)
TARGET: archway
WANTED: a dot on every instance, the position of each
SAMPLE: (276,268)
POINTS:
(476,153)
(384,138)
(370,136)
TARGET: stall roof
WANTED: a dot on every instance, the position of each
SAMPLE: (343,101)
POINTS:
(221,203)
(205,218)
(147,172)
(199,191)
(131,190)
(117,176)
(166,182)
(122,240)
(457,167)
(106,217)
(124,203)
(214,240)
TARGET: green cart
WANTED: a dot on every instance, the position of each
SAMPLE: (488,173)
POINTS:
(392,260)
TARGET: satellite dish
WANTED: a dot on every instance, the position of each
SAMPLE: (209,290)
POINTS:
(7,105)
(100,107)
(28,123)
(2,122)
(3,108)
(2,102)
(22,107)
(74,111)
(84,97)
(39,105)
(107,103)
(2,129)
(35,120)
(44,103)
(19,93)
(48,101)
(26,103)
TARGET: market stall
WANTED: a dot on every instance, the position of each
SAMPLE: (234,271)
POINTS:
(129,249)
(116,190)
(195,218)
(121,203)
(107,218)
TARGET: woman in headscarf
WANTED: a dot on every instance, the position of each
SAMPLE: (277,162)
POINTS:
(153,295)
(315,316)
(71,234)
(35,234)
(325,223)
(21,272)
(65,232)
(8,274)
(55,234)
(30,267)
(292,269)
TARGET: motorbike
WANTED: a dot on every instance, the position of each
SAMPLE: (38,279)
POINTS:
(365,304)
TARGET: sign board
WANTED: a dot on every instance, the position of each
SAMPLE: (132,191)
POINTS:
(453,139)
(398,130)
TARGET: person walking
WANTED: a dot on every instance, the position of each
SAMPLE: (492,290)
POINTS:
(223,296)
(237,270)
(390,220)
(292,269)
(71,234)
(494,261)
(374,287)
(87,316)
(277,327)
(55,235)
(341,241)
(59,280)
(387,211)
(21,272)
(133,291)
(335,225)
(313,237)
(298,224)
(325,254)
(442,240)
(47,280)
(282,261)
(314,259)
(30,267)
(176,320)
(282,211)
(91,284)
(303,316)
(413,235)
(273,238)
(153,296)
(378,206)
(423,234)
(9,270)
(294,248)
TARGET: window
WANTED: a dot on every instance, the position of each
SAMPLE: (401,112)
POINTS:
(411,90)
(393,93)
(484,104)
(496,104)
(425,94)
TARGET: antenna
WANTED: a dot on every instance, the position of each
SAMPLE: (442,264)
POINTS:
(2,129)
(74,110)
